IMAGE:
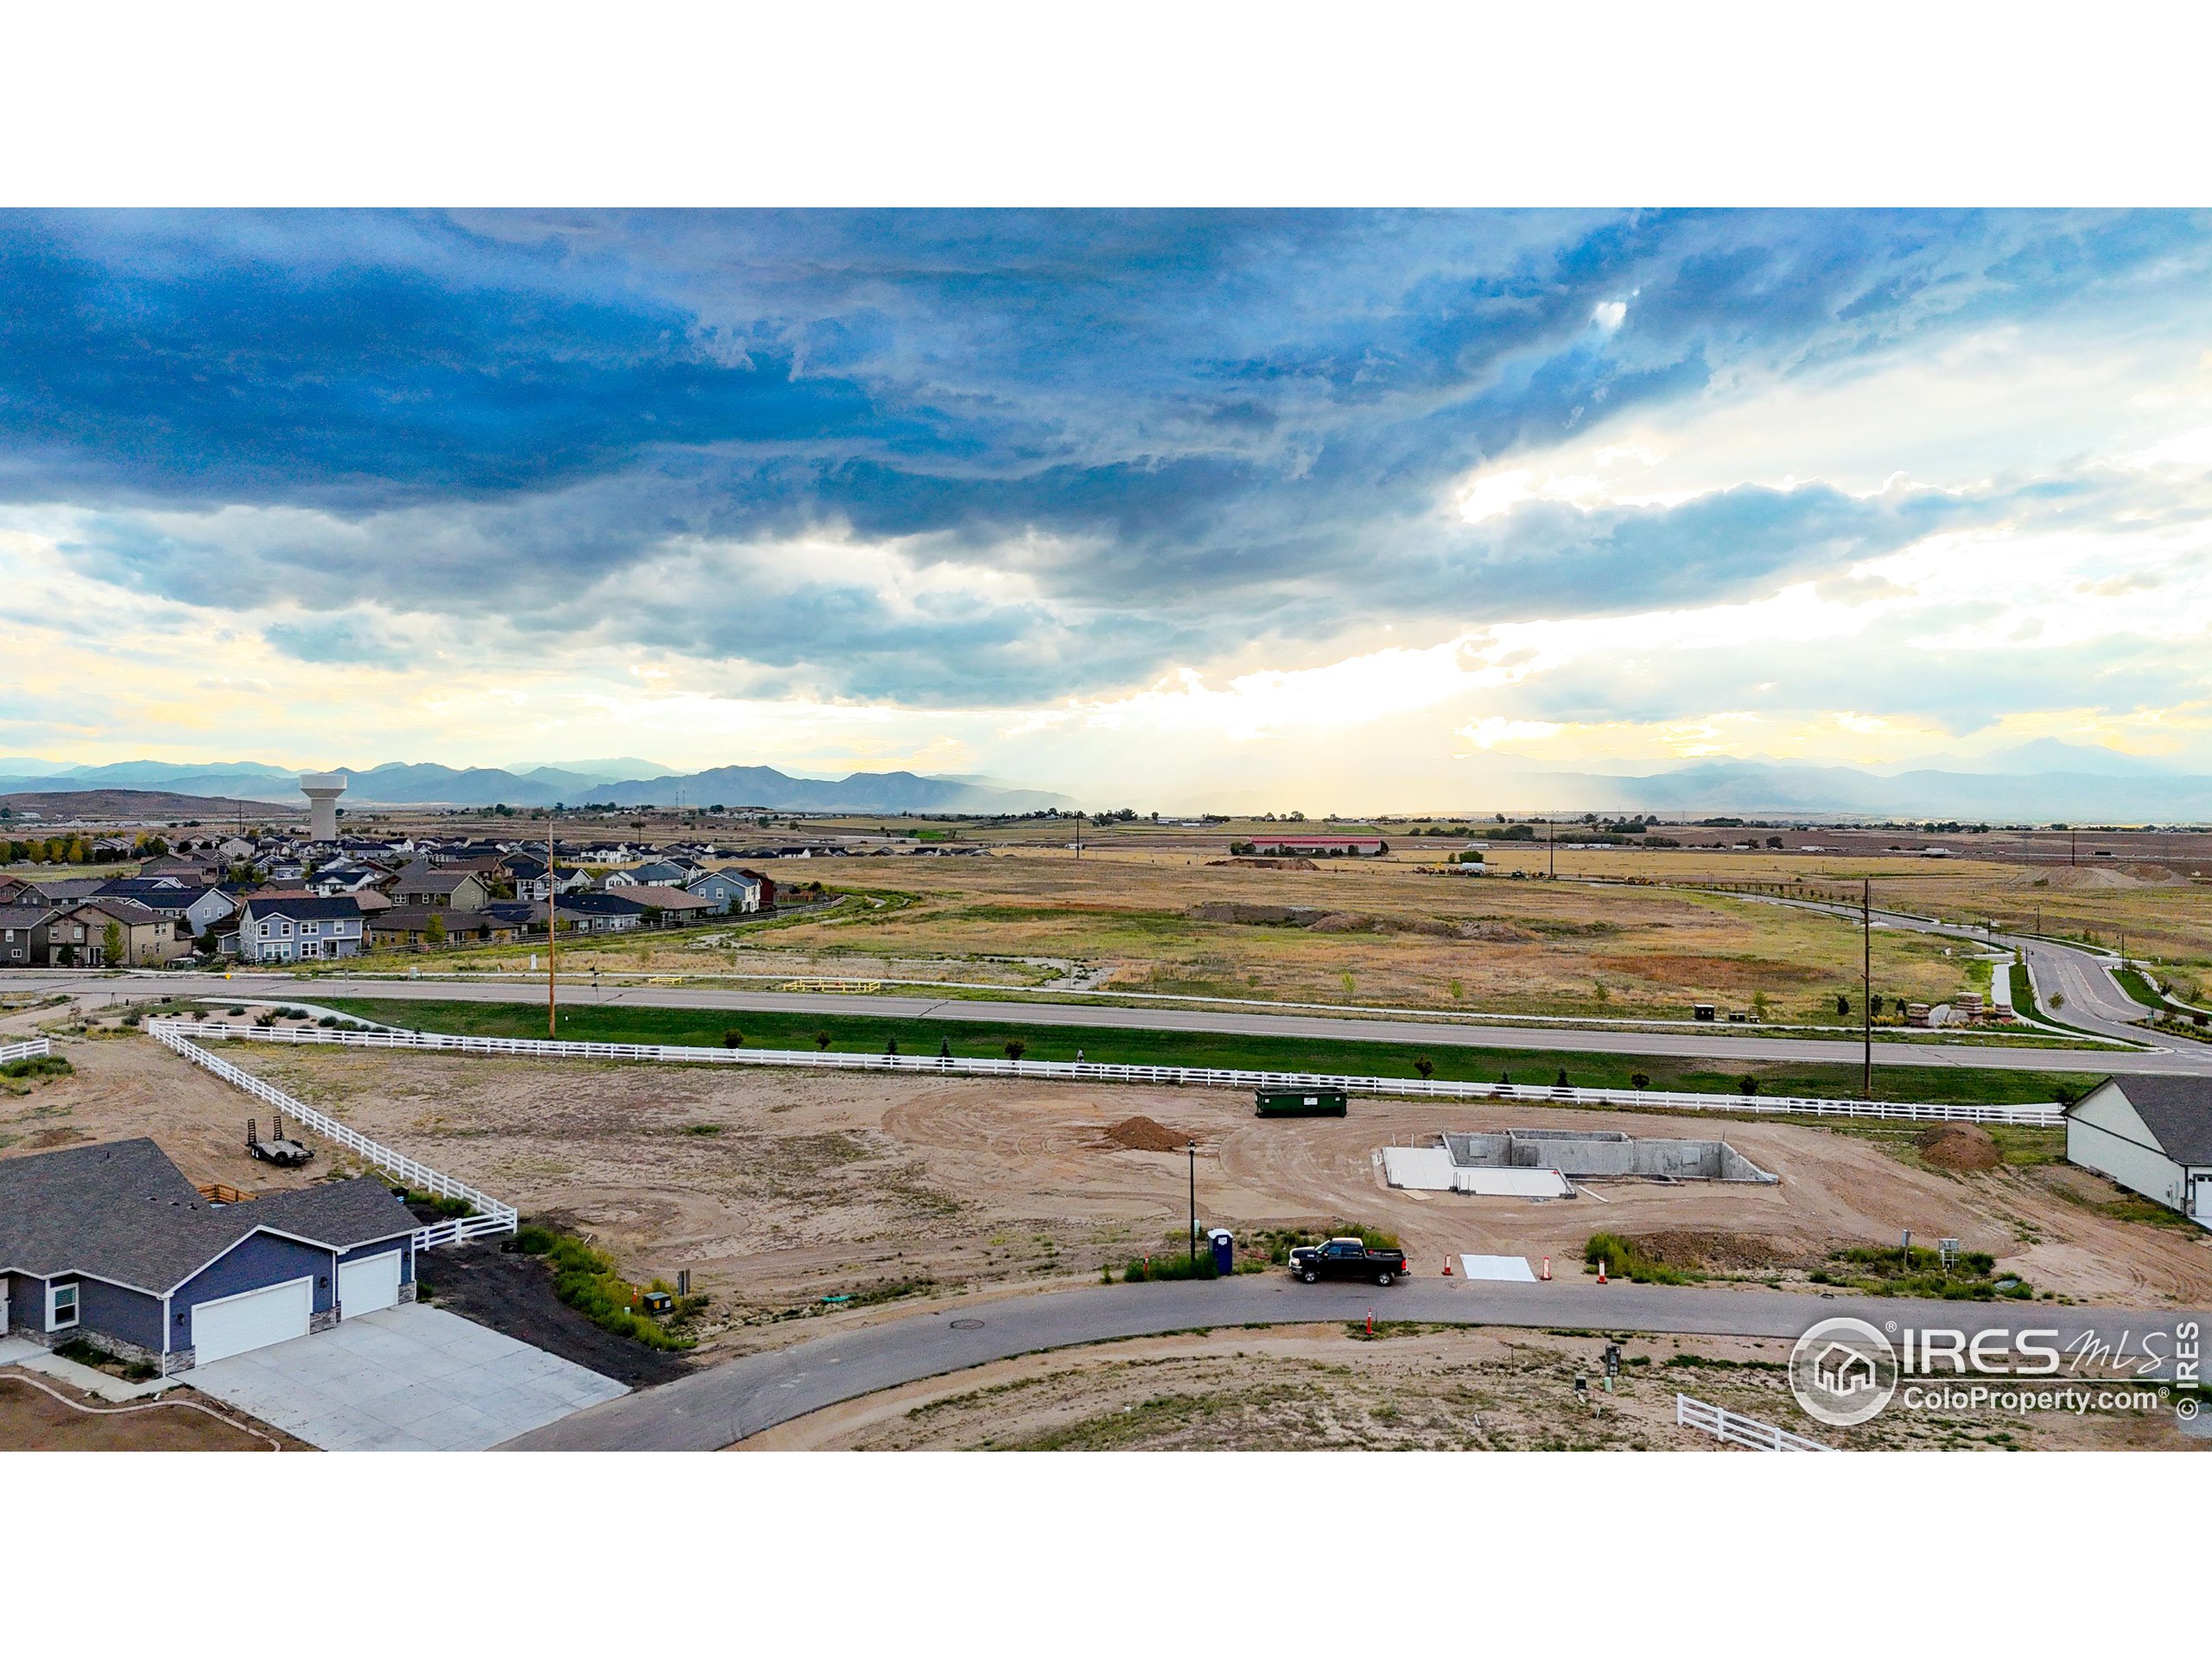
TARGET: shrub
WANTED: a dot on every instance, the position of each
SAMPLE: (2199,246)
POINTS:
(1174,1265)
(1748,1086)
(587,1281)
(1639,1080)
(1426,1066)
(1623,1260)
(533,1240)
(732,1037)
(1561,1081)
(328,1022)
(1015,1048)
(823,1039)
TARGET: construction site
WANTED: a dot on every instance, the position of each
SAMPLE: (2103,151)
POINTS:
(1550,1161)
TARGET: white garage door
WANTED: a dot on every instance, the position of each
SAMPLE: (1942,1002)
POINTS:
(255,1319)
(367,1285)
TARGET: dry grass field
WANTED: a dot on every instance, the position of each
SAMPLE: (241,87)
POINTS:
(1409,1387)
(1378,932)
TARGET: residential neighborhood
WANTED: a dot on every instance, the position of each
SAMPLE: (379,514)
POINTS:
(279,898)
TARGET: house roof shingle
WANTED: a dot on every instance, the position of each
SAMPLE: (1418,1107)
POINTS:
(2176,1109)
(121,1210)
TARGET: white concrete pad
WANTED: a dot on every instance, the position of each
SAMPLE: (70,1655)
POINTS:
(406,1378)
(1513,1269)
(1419,1169)
(1512,1183)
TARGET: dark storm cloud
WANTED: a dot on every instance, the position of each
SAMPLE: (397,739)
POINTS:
(1177,429)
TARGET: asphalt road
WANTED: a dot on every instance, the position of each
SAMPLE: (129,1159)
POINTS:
(722,1405)
(1719,1044)
(2094,1001)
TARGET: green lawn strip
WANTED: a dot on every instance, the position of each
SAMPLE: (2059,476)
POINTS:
(867,1034)
(2132,981)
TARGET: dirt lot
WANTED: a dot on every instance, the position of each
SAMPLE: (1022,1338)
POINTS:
(124,1085)
(31,1420)
(777,1189)
(1306,1388)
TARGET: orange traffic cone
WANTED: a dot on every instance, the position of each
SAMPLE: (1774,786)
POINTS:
(1546,1272)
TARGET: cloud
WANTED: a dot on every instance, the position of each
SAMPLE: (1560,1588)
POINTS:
(992,462)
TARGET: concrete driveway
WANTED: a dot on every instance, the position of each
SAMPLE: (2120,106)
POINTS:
(411,1378)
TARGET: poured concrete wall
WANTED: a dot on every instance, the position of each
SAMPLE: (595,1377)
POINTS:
(1598,1155)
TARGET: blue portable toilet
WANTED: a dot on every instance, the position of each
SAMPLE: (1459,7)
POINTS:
(1225,1249)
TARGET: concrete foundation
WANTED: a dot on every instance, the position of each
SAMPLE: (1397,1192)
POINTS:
(1603,1154)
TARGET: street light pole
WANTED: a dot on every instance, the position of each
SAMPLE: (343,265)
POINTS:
(1866,984)
(1192,1149)
(552,929)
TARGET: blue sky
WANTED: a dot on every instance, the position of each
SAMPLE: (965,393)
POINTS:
(1300,508)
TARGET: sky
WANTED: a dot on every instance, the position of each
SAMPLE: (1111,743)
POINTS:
(1261,511)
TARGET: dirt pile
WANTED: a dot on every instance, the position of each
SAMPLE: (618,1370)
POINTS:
(1145,1135)
(1257,915)
(1958,1147)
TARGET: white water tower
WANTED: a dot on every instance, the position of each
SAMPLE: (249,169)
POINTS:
(322,789)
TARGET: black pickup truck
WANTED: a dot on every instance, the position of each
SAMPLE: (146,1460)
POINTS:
(1346,1258)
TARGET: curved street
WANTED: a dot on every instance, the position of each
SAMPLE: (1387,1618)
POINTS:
(724,1404)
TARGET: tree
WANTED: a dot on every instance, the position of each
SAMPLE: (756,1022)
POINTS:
(732,1037)
(1749,1085)
(1426,1066)
(434,930)
(111,945)
(890,1044)
(1639,1080)
(821,1041)
(1015,1048)
(1842,1005)
(1561,1081)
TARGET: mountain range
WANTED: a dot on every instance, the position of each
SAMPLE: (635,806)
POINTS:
(632,784)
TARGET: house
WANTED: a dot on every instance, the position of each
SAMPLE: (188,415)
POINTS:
(422,883)
(2152,1133)
(22,935)
(280,927)
(410,925)
(112,1243)
(597,912)
(659,872)
(333,883)
(145,936)
(728,893)
(669,906)
(528,875)
(194,909)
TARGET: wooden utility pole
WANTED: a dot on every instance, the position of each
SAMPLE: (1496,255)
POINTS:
(1866,984)
(1551,827)
(552,927)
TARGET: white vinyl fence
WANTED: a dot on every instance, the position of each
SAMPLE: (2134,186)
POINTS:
(1725,1425)
(491,1216)
(37,1049)
(2046,1116)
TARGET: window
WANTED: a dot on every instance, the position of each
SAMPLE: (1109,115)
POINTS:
(60,1306)
(264,929)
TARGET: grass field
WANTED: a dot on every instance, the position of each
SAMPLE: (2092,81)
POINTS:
(866,1034)
(1379,933)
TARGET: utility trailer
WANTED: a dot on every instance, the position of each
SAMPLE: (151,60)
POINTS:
(278,1149)
(1299,1102)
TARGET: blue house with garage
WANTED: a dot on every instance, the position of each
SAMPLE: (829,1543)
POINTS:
(112,1243)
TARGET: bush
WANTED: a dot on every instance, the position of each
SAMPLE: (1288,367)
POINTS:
(1748,1086)
(587,1281)
(328,1022)
(1639,1080)
(823,1039)
(1426,1067)
(732,1037)
(1015,1048)
(533,1240)
(39,1066)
